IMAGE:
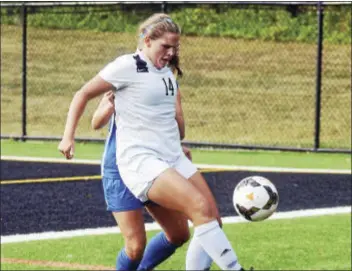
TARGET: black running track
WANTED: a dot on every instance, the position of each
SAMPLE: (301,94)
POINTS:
(57,206)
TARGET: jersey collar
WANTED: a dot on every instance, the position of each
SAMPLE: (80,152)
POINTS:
(150,64)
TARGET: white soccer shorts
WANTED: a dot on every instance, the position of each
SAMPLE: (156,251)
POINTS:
(140,180)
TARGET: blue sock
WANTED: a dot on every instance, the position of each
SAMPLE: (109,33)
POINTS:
(157,250)
(123,262)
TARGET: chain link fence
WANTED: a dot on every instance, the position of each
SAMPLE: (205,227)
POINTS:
(237,90)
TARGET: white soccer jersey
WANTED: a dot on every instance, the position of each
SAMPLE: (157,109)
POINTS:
(145,99)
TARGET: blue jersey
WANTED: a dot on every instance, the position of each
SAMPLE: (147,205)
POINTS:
(108,166)
(117,196)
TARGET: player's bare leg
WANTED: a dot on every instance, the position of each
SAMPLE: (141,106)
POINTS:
(175,233)
(172,191)
(131,224)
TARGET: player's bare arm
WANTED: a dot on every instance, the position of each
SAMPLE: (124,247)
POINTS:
(90,90)
(181,124)
(179,115)
(104,111)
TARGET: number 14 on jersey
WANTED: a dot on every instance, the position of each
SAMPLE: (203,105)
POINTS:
(169,87)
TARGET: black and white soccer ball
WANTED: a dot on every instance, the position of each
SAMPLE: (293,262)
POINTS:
(255,198)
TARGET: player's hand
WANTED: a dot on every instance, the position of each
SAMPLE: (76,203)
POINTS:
(66,147)
(108,99)
(187,152)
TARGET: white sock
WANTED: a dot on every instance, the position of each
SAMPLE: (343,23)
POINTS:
(215,243)
(197,258)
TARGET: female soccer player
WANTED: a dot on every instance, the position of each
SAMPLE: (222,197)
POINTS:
(127,210)
(149,154)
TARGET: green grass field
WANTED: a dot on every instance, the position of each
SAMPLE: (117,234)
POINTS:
(315,243)
(234,157)
(234,91)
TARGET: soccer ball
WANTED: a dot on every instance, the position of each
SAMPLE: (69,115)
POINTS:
(255,198)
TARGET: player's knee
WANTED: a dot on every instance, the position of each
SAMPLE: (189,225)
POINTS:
(135,246)
(179,238)
(202,208)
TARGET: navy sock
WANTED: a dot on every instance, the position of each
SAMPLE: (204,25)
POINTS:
(157,250)
(123,262)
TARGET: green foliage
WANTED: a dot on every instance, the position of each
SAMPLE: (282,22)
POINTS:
(266,24)
(249,22)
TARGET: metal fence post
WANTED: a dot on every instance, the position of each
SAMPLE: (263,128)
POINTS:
(320,12)
(24,72)
(164,7)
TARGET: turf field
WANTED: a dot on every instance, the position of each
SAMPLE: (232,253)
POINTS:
(319,243)
(41,197)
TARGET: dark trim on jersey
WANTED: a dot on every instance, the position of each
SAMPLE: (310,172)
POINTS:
(141,64)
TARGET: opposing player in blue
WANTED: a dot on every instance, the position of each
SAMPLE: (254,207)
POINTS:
(149,153)
(127,210)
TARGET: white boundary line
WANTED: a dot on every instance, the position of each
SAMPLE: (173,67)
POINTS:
(50,160)
(274,169)
(202,166)
(154,226)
